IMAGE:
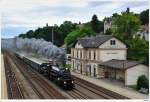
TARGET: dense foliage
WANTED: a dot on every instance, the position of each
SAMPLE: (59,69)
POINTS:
(88,29)
(125,27)
(60,32)
(138,50)
(142,82)
(80,32)
(108,32)
(96,25)
(144,16)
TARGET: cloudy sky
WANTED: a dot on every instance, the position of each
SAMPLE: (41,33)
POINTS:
(19,16)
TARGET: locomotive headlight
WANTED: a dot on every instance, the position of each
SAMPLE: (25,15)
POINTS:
(72,82)
(64,82)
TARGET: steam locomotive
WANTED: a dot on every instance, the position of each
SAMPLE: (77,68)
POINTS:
(61,76)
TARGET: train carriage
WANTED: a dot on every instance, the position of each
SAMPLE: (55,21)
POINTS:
(60,76)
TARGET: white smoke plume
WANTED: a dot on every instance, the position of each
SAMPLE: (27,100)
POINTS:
(38,46)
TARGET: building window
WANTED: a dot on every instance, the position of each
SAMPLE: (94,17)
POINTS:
(77,53)
(81,54)
(89,55)
(94,70)
(112,42)
(94,55)
(72,53)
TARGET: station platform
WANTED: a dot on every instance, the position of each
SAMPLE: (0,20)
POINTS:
(125,91)
(3,80)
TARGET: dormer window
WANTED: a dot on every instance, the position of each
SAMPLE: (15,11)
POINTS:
(112,42)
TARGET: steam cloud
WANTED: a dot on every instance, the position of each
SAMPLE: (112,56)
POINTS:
(38,46)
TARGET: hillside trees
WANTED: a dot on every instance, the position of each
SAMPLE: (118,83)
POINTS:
(144,17)
(80,32)
(60,32)
(88,29)
(138,50)
(96,25)
(125,25)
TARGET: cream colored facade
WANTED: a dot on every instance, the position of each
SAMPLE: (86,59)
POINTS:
(86,60)
(132,74)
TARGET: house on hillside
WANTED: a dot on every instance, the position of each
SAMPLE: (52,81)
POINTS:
(107,24)
(144,34)
(90,56)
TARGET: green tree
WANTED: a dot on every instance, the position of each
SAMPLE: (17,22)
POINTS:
(30,33)
(115,15)
(125,25)
(144,16)
(96,25)
(138,50)
(72,36)
(108,32)
(142,82)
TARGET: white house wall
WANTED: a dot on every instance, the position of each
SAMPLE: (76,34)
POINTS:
(132,74)
(108,51)
(106,55)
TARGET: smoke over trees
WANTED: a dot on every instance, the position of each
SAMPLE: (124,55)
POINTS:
(38,46)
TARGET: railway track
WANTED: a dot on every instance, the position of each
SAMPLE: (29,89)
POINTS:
(33,76)
(77,94)
(13,86)
(31,82)
(106,94)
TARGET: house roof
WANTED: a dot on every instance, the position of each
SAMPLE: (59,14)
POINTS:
(119,64)
(89,42)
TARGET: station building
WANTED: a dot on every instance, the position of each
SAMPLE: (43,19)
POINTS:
(123,70)
(104,56)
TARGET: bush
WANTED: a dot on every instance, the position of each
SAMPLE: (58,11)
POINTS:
(142,82)
(64,66)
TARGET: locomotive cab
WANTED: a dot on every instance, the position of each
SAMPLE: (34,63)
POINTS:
(44,68)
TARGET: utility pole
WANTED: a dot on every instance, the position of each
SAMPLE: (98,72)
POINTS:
(52,36)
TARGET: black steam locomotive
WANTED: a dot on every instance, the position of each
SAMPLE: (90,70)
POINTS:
(61,76)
